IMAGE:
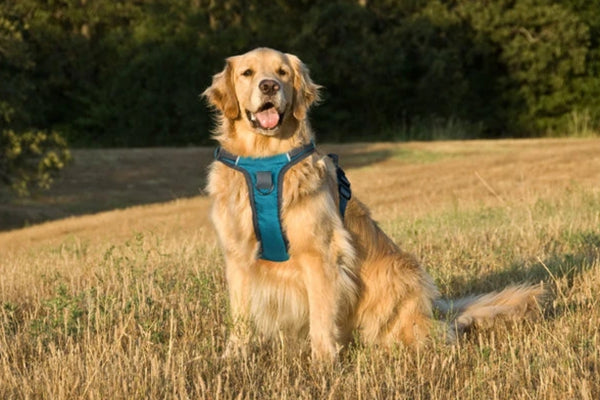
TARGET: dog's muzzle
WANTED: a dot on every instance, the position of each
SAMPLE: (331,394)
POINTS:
(267,117)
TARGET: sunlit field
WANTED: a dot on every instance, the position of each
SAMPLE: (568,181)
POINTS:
(132,303)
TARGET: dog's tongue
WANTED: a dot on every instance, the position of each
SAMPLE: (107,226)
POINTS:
(268,118)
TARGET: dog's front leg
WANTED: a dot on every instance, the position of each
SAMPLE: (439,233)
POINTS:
(323,299)
(237,281)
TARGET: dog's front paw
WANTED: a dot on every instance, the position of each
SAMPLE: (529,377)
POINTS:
(236,347)
(324,351)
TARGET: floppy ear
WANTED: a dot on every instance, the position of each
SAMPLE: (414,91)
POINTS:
(306,92)
(221,93)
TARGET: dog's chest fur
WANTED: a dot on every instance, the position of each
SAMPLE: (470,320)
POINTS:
(278,299)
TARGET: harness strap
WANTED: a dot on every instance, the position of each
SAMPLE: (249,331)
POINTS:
(264,177)
(226,157)
(343,184)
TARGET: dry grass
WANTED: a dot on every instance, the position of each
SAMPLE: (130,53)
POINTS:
(132,303)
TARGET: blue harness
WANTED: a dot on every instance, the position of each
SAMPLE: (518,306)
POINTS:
(264,177)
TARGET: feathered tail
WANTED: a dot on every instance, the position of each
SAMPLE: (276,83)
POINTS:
(514,302)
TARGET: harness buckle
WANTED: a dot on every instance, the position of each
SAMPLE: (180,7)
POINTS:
(264,182)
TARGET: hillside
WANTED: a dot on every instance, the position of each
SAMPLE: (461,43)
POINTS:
(132,302)
(394,179)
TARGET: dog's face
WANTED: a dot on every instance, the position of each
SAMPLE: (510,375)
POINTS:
(264,89)
(263,86)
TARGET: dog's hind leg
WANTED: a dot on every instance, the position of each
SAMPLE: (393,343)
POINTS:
(397,303)
(411,324)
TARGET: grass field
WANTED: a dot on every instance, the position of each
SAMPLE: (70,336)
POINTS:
(131,303)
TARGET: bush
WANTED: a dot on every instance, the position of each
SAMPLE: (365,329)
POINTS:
(30,160)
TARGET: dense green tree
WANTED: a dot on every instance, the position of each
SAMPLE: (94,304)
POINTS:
(129,72)
(28,159)
(15,63)
(588,86)
(442,68)
(148,95)
(543,47)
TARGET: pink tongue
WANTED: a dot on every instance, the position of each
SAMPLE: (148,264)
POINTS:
(268,118)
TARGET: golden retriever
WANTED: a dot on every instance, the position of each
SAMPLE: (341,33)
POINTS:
(343,275)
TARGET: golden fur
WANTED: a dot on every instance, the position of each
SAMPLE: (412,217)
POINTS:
(343,275)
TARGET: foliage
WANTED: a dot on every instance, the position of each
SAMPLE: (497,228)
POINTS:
(27,158)
(543,47)
(31,159)
(15,63)
(129,73)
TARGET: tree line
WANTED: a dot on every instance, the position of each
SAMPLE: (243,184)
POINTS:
(129,72)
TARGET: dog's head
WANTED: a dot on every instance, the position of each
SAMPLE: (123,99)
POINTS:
(264,88)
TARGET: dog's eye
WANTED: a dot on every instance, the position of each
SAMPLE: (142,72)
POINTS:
(248,72)
(281,72)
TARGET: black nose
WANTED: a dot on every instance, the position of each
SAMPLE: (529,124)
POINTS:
(269,86)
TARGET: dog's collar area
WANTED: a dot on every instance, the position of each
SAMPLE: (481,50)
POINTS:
(229,158)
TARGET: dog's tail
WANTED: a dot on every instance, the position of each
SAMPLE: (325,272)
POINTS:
(514,302)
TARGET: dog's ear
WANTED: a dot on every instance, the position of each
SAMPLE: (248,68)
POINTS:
(221,93)
(306,92)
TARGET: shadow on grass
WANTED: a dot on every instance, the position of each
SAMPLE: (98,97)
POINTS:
(558,272)
(106,179)
(359,159)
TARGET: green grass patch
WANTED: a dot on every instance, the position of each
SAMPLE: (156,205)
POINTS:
(413,156)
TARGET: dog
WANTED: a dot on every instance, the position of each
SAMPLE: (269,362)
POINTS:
(323,272)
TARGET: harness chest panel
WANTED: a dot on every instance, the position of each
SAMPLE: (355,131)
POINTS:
(264,178)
